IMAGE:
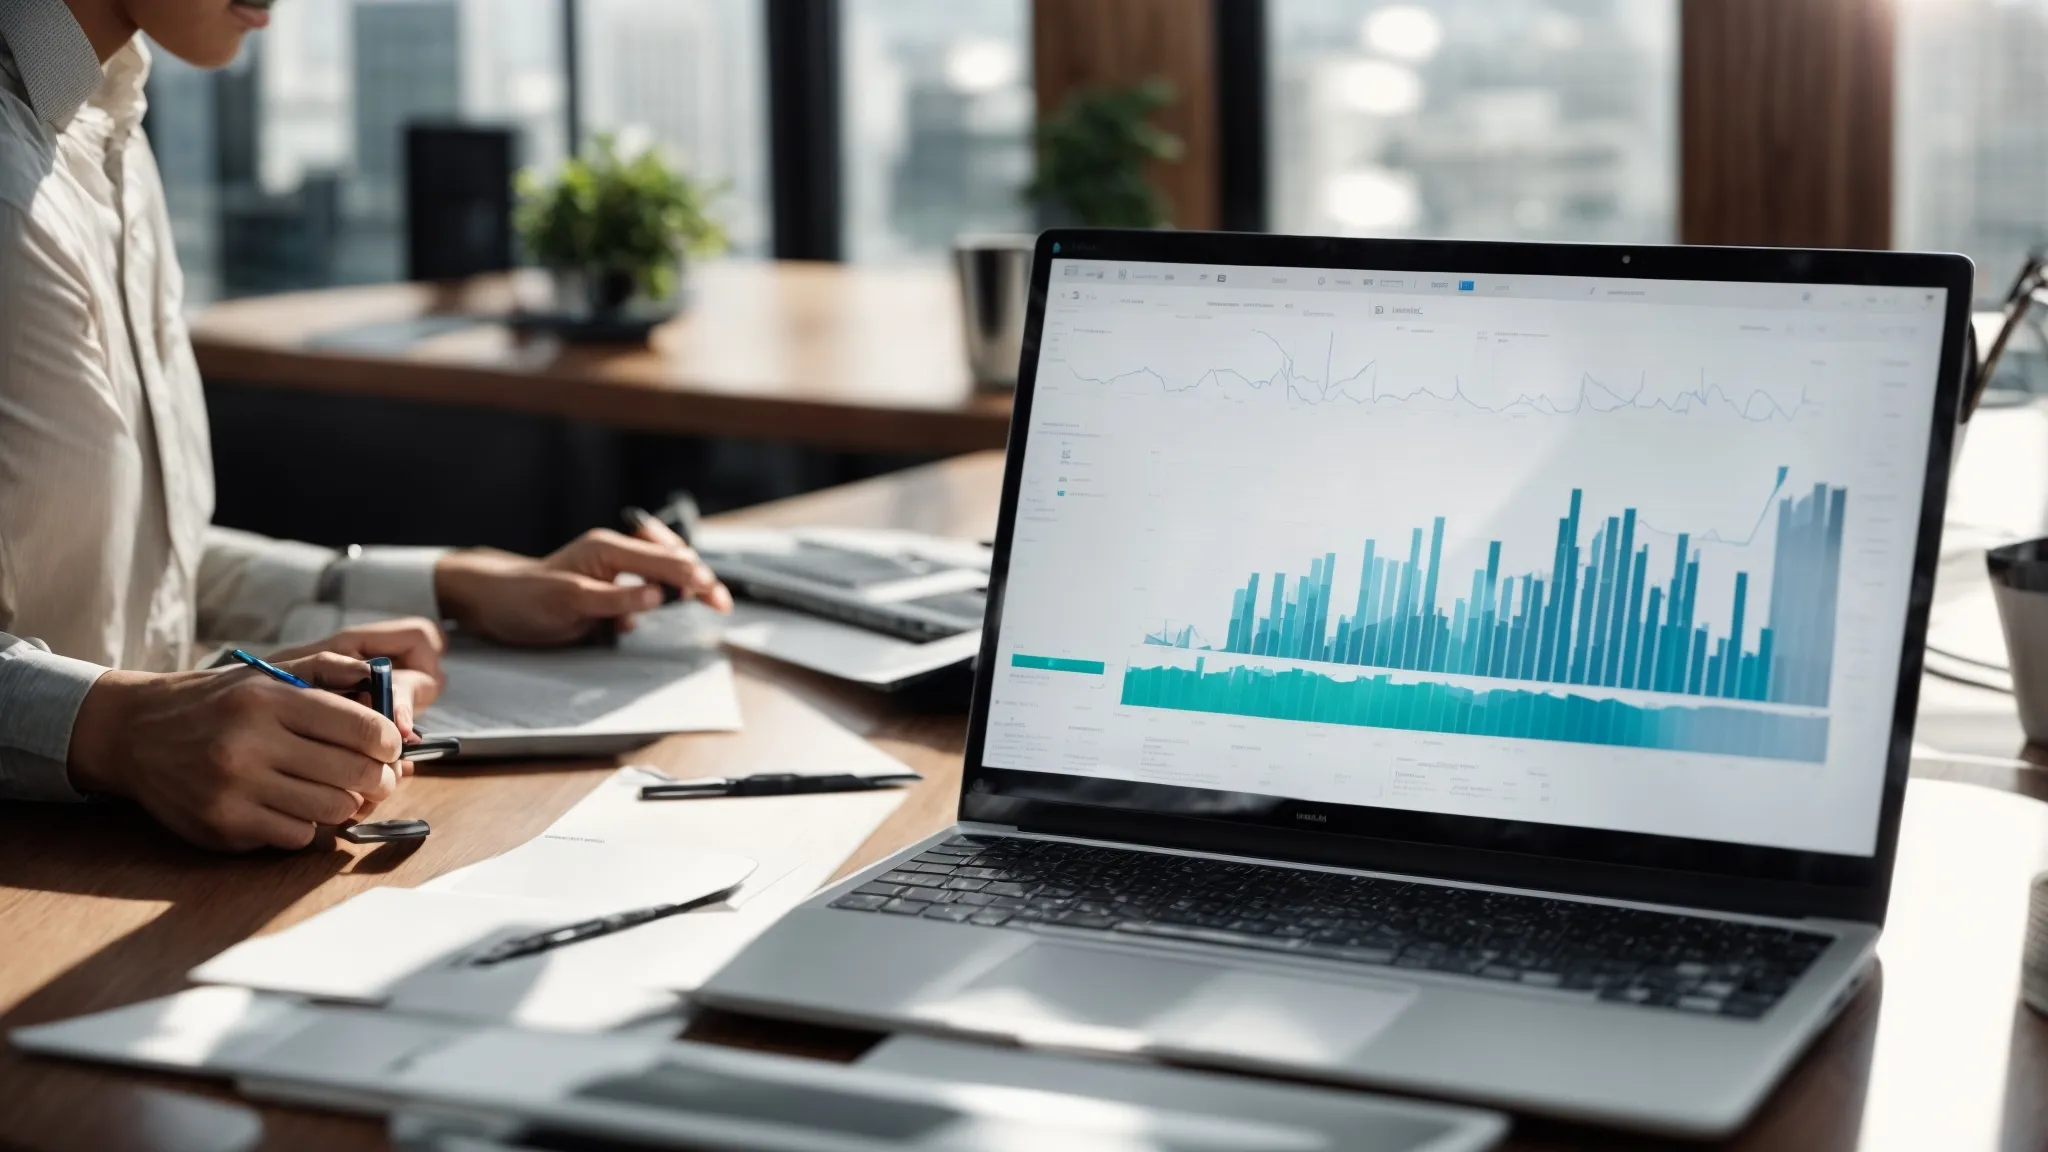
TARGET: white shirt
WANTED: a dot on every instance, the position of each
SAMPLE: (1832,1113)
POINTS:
(107,554)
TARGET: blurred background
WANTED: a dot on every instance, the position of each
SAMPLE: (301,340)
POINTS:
(873,134)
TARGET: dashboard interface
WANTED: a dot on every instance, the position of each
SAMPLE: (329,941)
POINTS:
(1626,554)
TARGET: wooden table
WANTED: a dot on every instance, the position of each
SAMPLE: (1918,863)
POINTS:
(854,359)
(98,909)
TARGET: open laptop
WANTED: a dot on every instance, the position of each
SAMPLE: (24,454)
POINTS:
(880,608)
(1479,669)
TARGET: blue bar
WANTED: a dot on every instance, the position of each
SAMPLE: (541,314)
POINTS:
(1547,628)
(1647,670)
(1273,614)
(1733,680)
(1632,622)
(1606,546)
(1618,630)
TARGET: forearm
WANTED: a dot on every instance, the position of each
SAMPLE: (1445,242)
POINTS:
(248,583)
(40,694)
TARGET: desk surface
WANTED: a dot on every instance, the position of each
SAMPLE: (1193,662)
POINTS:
(838,357)
(100,909)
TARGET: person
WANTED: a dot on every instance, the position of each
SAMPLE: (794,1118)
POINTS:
(107,554)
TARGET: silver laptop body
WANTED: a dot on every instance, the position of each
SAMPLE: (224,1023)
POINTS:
(1478,670)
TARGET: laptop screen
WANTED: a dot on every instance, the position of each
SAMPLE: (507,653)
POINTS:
(1621,554)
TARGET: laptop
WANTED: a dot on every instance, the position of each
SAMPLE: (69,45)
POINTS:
(880,608)
(1481,670)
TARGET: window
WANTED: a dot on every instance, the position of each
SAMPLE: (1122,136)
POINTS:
(285,170)
(1971,145)
(936,123)
(686,76)
(1487,119)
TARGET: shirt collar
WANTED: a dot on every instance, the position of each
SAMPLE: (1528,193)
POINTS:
(58,70)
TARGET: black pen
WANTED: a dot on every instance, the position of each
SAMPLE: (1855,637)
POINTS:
(775,784)
(378,687)
(637,518)
(589,929)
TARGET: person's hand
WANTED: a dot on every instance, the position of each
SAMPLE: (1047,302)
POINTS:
(414,645)
(520,600)
(231,759)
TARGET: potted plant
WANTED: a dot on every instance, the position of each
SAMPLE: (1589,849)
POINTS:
(615,231)
(1093,156)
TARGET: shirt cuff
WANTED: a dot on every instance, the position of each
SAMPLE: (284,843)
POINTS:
(390,579)
(39,695)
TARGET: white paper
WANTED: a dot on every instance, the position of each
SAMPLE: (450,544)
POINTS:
(665,676)
(784,835)
(586,876)
(371,947)
(360,949)
(797,843)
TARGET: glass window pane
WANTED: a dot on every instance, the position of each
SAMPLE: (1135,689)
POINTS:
(1971,146)
(1490,119)
(285,170)
(938,115)
(688,76)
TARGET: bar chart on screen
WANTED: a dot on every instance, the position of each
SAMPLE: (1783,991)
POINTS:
(1628,559)
(1595,616)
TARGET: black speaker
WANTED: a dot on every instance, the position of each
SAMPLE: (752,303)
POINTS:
(458,200)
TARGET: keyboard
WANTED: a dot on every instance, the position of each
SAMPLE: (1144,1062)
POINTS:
(837,567)
(1623,955)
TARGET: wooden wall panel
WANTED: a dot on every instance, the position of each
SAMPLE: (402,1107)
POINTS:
(1090,43)
(1786,122)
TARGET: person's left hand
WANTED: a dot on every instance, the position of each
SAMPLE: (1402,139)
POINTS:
(562,598)
(414,645)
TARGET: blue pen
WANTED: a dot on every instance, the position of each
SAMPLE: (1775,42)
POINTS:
(268,669)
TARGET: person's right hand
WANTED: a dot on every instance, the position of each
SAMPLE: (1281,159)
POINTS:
(414,645)
(231,759)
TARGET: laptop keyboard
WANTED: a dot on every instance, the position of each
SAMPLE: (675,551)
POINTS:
(840,567)
(1624,955)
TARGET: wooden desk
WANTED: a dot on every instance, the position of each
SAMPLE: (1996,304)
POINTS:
(98,909)
(853,359)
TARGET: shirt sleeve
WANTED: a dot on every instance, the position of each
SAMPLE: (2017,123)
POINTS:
(39,697)
(248,583)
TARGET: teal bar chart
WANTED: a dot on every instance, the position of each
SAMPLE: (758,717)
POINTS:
(1614,614)
(1621,611)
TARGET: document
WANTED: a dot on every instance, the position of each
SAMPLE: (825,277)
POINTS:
(666,676)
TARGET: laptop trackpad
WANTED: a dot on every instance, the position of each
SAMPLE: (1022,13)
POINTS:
(1091,998)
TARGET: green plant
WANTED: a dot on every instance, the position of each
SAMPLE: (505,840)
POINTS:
(602,212)
(1093,155)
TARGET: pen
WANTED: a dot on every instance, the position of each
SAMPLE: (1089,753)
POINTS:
(268,669)
(775,784)
(589,929)
(636,518)
(378,686)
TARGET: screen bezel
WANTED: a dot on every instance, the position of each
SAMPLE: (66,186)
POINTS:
(1665,869)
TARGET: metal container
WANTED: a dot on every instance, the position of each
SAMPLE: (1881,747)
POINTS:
(995,278)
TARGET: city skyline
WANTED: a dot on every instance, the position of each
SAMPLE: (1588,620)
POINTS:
(1549,119)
